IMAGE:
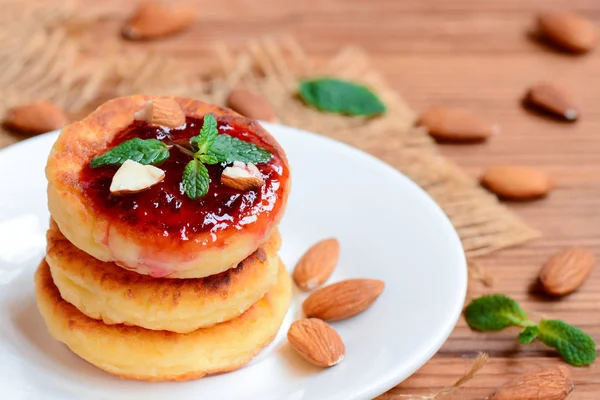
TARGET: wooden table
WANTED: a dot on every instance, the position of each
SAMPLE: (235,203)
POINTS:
(475,54)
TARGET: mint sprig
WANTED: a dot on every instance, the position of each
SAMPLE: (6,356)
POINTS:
(341,97)
(195,179)
(228,149)
(213,148)
(148,151)
(496,312)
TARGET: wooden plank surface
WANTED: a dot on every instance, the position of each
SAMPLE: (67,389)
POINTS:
(476,54)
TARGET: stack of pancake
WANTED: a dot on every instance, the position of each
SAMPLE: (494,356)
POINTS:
(150,307)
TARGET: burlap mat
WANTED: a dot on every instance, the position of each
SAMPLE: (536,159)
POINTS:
(46,53)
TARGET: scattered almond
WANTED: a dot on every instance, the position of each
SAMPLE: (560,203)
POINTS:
(153,20)
(242,176)
(133,177)
(517,182)
(546,384)
(564,272)
(317,264)
(251,104)
(343,299)
(554,99)
(317,342)
(164,111)
(35,118)
(568,30)
(455,124)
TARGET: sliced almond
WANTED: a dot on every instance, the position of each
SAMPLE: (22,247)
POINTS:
(545,384)
(133,177)
(455,124)
(251,104)
(242,176)
(553,99)
(153,20)
(568,30)
(517,182)
(317,264)
(317,342)
(35,118)
(343,299)
(564,272)
(164,111)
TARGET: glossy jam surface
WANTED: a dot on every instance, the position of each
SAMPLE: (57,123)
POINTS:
(164,209)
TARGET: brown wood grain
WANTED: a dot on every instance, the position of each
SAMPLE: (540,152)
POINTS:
(480,55)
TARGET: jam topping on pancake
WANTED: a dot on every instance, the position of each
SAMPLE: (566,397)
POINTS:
(165,210)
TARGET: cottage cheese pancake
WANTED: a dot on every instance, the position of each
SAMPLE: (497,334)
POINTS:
(102,290)
(162,230)
(138,353)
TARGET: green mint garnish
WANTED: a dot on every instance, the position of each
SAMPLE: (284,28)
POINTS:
(528,334)
(574,345)
(496,312)
(195,179)
(228,149)
(212,148)
(149,151)
(207,135)
(342,97)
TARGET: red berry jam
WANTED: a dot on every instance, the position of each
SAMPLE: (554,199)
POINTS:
(164,209)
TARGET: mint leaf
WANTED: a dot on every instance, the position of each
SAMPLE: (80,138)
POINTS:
(149,151)
(342,97)
(207,135)
(494,313)
(575,346)
(208,159)
(195,180)
(229,149)
(528,334)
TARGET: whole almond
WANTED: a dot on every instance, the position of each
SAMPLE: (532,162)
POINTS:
(455,124)
(251,104)
(343,299)
(153,20)
(162,111)
(546,384)
(564,272)
(35,118)
(553,99)
(317,342)
(568,30)
(317,264)
(516,182)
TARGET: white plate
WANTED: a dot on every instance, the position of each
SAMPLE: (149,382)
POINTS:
(389,229)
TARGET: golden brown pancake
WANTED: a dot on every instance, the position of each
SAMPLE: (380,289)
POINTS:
(103,290)
(137,353)
(215,233)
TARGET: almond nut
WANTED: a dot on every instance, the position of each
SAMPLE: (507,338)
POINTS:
(242,176)
(252,105)
(546,384)
(553,99)
(454,124)
(317,264)
(35,118)
(163,111)
(317,342)
(517,182)
(133,177)
(568,30)
(152,20)
(564,272)
(343,299)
